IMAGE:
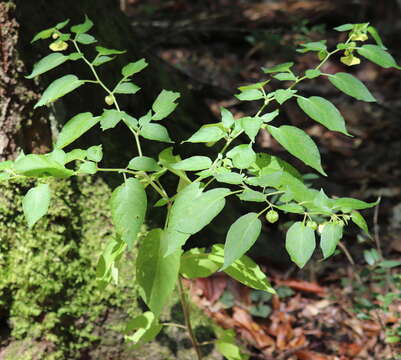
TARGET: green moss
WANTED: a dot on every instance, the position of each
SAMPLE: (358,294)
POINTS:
(48,287)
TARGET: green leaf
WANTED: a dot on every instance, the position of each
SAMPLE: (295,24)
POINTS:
(298,144)
(82,28)
(226,346)
(194,163)
(128,208)
(126,88)
(359,220)
(242,156)
(313,46)
(85,39)
(329,238)
(59,88)
(58,155)
(156,275)
(36,203)
(345,27)
(196,263)
(312,73)
(164,104)
(285,77)
(148,328)
(47,63)
(324,112)
(100,60)
(351,86)
(291,208)
(40,165)
(109,119)
(143,163)
(251,126)
(191,212)
(252,195)
(104,51)
(377,55)
(300,243)
(349,204)
(268,117)
(282,95)
(95,153)
(258,85)
(87,167)
(155,132)
(134,67)
(240,237)
(207,133)
(230,177)
(227,118)
(278,68)
(375,35)
(74,128)
(250,95)
(129,120)
(76,154)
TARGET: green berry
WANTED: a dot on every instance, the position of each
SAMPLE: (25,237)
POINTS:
(272,216)
(109,100)
(312,224)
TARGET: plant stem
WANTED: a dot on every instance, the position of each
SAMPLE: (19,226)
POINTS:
(187,317)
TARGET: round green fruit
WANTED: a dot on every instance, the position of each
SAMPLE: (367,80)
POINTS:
(109,100)
(272,216)
(312,224)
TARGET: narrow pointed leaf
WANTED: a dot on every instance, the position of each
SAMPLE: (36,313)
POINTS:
(207,133)
(300,243)
(36,203)
(74,128)
(240,237)
(82,28)
(351,86)
(156,275)
(331,235)
(128,208)
(324,112)
(105,52)
(359,220)
(47,63)
(59,88)
(298,144)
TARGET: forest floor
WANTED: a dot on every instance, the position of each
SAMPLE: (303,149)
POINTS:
(349,306)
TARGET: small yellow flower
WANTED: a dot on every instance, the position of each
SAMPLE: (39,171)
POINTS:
(58,45)
(350,60)
(359,37)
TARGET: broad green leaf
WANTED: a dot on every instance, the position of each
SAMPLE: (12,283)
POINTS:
(226,346)
(100,60)
(194,163)
(143,163)
(250,95)
(349,204)
(285,77)
(147,329)
(282,95)
(324,112)
(227,118)
(87,167)
(230,177)
(58,155)
(164,104)
(251,126)
(155,132)
(351,86)
(105,52)
(291,208)
(76,154)
(59,88)
(278,68)
(300,243)
(298,144)
(75,127)
(268,117)
(240,237)
(313,46)
(252,195)
(145,119)
(207,133)
(377,55)
(134,67)
(126,88)
(109,119)
(82,28)
(47,63)
(40,165)
(312,73)
(167,158)
(329,238)
(196,263)
(85,39)
(129,120)
(45,34)
(191,212)
(36,203)
(156,274)
(359,220)
(242,156)
(128,208)
(95,153)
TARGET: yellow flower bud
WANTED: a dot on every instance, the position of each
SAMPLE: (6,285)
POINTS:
(58,45)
